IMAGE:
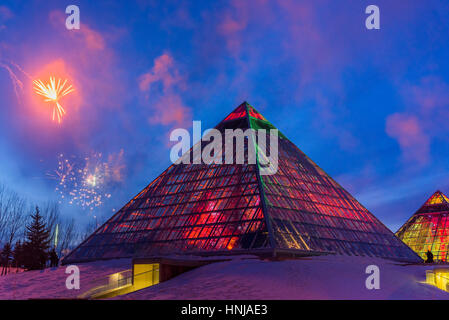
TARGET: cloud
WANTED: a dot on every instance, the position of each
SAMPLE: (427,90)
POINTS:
(163,86)
(407,130)
(424,120)
(163,70)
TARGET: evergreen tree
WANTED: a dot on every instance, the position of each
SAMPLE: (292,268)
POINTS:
(6,257)
(37,242)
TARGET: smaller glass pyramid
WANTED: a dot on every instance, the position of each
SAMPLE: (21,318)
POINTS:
(428,228)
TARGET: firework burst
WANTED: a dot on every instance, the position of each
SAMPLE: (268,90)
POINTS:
(87,182)
(53,91)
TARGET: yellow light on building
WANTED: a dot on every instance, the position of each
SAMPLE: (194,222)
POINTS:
(145,275)
(439,278)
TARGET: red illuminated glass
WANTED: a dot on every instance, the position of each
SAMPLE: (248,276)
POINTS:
(240,112)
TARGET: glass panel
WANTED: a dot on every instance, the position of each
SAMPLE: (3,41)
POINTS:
(310,211)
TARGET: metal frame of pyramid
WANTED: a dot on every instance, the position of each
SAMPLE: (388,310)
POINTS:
(218,209)
(428,228)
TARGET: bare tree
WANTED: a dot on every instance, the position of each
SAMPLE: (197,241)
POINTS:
(67,239)
(63,233)
(12,215)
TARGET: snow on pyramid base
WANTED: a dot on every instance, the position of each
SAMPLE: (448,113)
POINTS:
(428,228)
(216,209)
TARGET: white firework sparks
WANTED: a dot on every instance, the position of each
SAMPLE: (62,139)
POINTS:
(86,183)
(53,91)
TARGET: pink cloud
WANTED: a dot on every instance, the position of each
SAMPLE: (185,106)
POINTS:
(425,118)
(167,104)
(163,70)
(408,131)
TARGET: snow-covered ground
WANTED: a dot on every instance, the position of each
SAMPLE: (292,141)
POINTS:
(50,283)
(327,277)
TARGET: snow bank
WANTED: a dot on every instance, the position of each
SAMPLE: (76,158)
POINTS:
(329,277)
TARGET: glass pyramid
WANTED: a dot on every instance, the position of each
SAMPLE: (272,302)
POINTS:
(428,228)
(206,209)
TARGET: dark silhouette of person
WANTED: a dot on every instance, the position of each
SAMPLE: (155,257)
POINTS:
(54,259)
(429,257)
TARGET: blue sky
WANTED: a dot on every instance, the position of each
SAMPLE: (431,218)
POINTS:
(368,106)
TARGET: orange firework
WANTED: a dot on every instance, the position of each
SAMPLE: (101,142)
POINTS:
(53,91)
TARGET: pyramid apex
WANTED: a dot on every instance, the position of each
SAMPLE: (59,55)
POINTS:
(437,198)
(244,110)
(237,113)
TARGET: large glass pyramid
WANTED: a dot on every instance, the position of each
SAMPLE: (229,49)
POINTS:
(215,209)
(428,228)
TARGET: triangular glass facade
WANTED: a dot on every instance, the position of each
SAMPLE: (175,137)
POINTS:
(224,208)
(428,228)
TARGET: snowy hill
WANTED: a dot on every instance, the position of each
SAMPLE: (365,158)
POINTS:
(50,283)
(327,277)
(330,277)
